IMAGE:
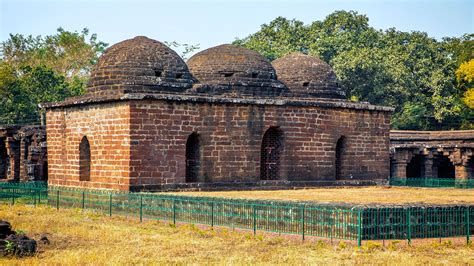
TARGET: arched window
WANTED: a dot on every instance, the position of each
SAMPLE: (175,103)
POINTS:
(193,157)
(84,160)
(272,147)
(340,156)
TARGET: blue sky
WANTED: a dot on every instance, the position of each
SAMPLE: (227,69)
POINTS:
(210,23)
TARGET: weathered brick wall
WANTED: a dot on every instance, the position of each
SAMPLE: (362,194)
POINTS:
(107,128)
(231,136)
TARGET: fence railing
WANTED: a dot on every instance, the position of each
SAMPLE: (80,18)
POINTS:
(432,182)
(335,221)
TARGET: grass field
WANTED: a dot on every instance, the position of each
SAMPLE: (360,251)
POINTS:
(364,195)
(87,238)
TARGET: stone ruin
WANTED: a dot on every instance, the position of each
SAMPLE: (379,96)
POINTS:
(432,154)
(12,243)
(23,153)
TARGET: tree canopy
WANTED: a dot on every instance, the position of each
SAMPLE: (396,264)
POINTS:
(43,69)
(410,71)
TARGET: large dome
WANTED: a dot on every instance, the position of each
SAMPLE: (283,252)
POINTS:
(139,65)
(306,75)
(230,69)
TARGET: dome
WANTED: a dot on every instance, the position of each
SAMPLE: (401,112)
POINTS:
(139,65)
(306,75)
(230,69)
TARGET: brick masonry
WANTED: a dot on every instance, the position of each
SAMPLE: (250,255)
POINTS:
(143,143)
(143,105)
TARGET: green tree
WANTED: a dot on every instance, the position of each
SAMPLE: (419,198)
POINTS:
(411,72)
(36,69)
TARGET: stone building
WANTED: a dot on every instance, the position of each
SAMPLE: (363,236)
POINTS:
(23,154)
(228,118)
(432,154)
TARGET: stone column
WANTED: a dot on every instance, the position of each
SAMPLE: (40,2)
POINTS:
(13,151)
(23,157)
(461,171)
(428,167)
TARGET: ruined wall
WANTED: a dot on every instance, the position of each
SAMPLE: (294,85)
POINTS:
(231,136)
(107,129)
(432,154)
(23,153)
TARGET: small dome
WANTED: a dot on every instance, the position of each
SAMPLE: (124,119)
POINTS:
(139,65)
(230,69)
(308,75)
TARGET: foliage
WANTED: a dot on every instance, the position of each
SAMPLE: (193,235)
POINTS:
(43,69)
(186,48)
(411,72)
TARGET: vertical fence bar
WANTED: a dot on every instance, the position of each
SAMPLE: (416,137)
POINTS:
(359,228)
(468,223)
(254,219)
(57,200)
(110,204)
(141,208)
(174,211)
(83,199)
(302,221)
(409,226)
(212,214)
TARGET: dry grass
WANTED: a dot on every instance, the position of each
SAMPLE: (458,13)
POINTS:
(87,238)
(364,195)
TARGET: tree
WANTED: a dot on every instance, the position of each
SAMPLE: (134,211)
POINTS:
(411,72)
(21,93)
(36,69)
(187,48)
(71,54)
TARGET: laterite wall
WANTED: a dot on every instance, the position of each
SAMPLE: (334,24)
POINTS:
(231,138)
(141,144)
(107,127)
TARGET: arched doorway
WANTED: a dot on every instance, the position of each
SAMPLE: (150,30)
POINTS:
(193,157)
(272,147)
(340,156)
(445,168)
(84,160)
(3,159)
(415,166)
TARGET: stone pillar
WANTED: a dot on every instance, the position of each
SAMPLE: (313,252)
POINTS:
(461,171)
(428,167)
(400,160)
(399,169)
(23,158)
(13,151)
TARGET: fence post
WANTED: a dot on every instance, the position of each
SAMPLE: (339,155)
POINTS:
(409,226)
(83,199)
(174,211)
(212,214)
(141,208)
(359,228)
(468,223)
(302,220)
(254,219)
(34,197)
(110,204)
(57,200)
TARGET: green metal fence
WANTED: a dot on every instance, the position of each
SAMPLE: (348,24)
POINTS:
(432,182)
(335,221)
